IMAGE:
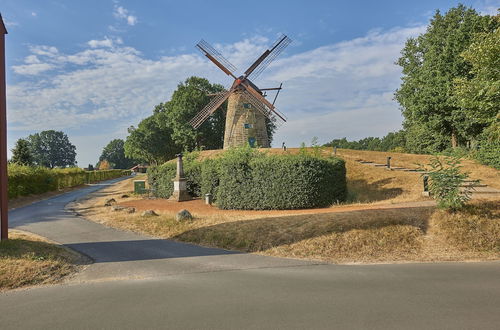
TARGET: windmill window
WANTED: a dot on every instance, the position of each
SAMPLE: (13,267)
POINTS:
(251,141)
(247,125)
(247,105)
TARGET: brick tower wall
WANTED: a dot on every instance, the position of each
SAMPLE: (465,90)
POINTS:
(244,124)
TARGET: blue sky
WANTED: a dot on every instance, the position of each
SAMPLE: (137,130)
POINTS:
(94,68)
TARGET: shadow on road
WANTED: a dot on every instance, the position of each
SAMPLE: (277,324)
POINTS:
(118,251)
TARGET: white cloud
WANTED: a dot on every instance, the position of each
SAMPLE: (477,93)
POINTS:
(122,13)
(131,20)
(32,69)
(106,42)
(342,89)
(34,14)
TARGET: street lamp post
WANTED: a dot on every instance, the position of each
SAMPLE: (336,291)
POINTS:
(4,222)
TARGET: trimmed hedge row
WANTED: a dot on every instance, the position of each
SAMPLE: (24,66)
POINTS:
(27,180)
(281,182)
(247,179)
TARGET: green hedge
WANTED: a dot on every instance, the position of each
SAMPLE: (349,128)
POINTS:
(160,178)
(27,180)
(246,179)
(281,182)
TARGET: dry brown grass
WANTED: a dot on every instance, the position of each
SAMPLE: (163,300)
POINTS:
(476,228)
(484,173)
(27,259)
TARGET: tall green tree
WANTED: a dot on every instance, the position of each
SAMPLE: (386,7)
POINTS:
(430,64)
(21,153)
(114,153)
(52,149)
(479,95)
(187,100)
(151,142)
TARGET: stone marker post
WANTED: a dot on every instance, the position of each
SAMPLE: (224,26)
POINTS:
(180,193)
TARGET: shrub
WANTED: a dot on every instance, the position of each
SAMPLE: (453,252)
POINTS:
(280,182)
(445,182)
(28,180)
(160,177)
(210,174)
(244,178)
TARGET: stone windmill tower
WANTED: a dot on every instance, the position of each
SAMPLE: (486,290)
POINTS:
(247,107)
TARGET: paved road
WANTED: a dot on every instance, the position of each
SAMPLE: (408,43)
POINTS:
(141,282)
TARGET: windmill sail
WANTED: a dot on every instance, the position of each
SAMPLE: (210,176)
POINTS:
(265,59)
(204,113)
(216,57)
(273,114)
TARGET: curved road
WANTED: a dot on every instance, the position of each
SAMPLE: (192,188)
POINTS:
(138,281)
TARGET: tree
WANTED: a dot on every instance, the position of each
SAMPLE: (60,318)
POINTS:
(151,142)
(21,153)
(479,95)
(52,148)
(430,64)
(103,165)
(187,100)
(114,153)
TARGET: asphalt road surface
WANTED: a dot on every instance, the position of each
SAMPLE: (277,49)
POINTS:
(139,282)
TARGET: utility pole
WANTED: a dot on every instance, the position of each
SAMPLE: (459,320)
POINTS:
(4,213)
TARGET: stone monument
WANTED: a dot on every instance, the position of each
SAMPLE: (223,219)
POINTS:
(180,193)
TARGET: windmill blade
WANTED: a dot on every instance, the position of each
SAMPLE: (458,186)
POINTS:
(217,58)
(269,55)
(273,114)
(262,99)
(204,113)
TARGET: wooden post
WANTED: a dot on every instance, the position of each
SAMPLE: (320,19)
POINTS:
(4,211)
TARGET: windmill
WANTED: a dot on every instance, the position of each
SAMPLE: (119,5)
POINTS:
(247,107)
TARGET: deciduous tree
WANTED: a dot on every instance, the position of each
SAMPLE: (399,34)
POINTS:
(21,153)
(151,142)
(114,153)
(52,148)
(430,64)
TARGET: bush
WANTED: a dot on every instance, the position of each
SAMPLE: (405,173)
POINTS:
(445,182)
(160,177)
(489,145)
(210,174)
(28,180)
(244,178)
(281,182)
